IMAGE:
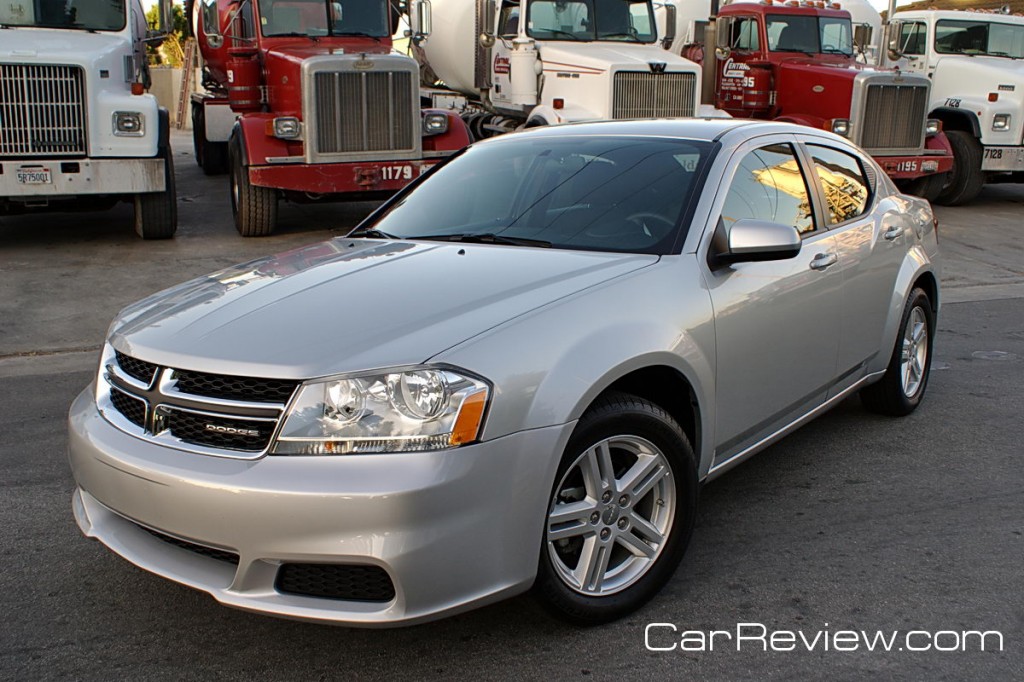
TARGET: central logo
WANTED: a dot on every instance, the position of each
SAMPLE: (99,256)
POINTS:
(231,430)
(657,67)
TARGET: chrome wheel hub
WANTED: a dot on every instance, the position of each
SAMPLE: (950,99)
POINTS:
(611,515)
(914,354)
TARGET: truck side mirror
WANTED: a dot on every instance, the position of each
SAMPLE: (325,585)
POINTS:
(487,26)
(895,30)
(670,26)
(157,36)
(723,48)
(421,21)
(862,36)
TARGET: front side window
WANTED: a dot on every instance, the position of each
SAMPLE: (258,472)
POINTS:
(588,193)
(318,18)
(769,185)
(743,35)
(913,36)
(979,37)
(85,15)
(843,182)
(625,20)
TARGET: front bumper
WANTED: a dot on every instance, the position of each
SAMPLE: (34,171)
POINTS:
(1002,159)
(453,529)
(915,165)
(78,177)
(340,178)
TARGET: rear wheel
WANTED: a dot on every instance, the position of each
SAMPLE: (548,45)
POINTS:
(254,208)
(902,387)
(620,514)
(927,186)
(966,179)
(156,213)
(212,157)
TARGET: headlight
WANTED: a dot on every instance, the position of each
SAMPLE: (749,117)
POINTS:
(129,124)
(403,410)
(435,124)
(1001,122)
(287,127)
(841,126)
(932,126)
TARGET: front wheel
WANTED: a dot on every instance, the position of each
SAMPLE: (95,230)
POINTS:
(927,186)
(620,514)
(901,388)
(254,208)
(966,178)
(156,213)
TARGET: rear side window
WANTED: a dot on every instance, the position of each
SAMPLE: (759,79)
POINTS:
(769,185)
(843,181)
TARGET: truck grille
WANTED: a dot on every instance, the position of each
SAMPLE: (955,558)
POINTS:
(364,111)
(42,110)
(639,94)
(894,117)
(201,412)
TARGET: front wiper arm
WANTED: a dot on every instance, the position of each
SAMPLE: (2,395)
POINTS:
(361,34)
(484,238)
(372,234)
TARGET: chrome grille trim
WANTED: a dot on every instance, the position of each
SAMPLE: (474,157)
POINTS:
(42,110)
(888,112)
(361,108)
(640,94)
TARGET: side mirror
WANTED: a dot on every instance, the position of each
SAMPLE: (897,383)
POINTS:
(671,16)
(722,33)
(895,30)
(157,36)
(862,37)
(421,20)
(759,240)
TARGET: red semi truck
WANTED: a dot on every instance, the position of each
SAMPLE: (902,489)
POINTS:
(795,61)
(307,100)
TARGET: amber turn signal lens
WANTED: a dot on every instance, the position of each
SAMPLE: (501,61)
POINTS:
(471,414)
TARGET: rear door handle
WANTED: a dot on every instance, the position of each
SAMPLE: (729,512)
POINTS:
(823,260)
(893,233)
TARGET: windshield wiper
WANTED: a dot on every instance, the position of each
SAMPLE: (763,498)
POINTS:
(484,238)
(293,34)
(558,32)
(632,37)
(361,34)
(372,234)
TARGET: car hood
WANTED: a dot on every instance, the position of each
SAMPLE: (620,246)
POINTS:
(352,304)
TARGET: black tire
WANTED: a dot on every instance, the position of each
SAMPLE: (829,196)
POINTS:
(156,213)
(620,416)
(927,186)
(966,179)
(889,396)
(212,157)
(254,208)
(198,126)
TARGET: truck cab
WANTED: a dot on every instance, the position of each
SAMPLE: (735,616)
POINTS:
(975,61)
(796,61)
(77,129)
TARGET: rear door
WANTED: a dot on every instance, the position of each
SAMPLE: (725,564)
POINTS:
(776,322)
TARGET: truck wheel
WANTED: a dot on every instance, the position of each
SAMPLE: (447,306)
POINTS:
(254,208)
(967,178)
(156,213)
(927,186)
(212,157)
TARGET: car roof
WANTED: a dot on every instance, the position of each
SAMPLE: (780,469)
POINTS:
(728,131)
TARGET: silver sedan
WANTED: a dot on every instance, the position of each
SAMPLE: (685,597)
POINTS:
(516,373)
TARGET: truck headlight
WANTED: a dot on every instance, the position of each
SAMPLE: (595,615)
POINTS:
(841,126)
(1001,122)
(435,124)
(287,127)
(402,410)
(932,126)
(129,124)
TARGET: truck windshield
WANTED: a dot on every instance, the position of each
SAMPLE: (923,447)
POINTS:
(601,193)
(84,15)
(809,34)
(980,37)
(315,18)
(626,20)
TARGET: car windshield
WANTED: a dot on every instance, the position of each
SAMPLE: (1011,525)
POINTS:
(809,34)
(980,37)
(625,20)
(85,15)
(598,193)
(315,18)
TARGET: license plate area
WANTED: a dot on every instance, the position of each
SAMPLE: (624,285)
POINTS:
(34,175)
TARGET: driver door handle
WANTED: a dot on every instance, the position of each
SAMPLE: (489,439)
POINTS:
(823,260)
(893,232)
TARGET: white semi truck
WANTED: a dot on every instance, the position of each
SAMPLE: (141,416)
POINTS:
(506,64)
(975,61)
(77,129)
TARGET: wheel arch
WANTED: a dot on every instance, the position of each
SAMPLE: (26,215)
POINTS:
(958,119)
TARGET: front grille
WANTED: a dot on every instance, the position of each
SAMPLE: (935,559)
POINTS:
(364,111)
(133,409)
(42,110)
(218,554)
(137,369)
(640,94)
(336,581)
(234,388)
(216,432)
(894,117)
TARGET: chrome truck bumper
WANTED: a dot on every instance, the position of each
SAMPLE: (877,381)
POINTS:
(52,178)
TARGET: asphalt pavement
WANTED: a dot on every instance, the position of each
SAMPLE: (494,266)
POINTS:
(854,522)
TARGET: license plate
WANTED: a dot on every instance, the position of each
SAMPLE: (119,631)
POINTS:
(34,176)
